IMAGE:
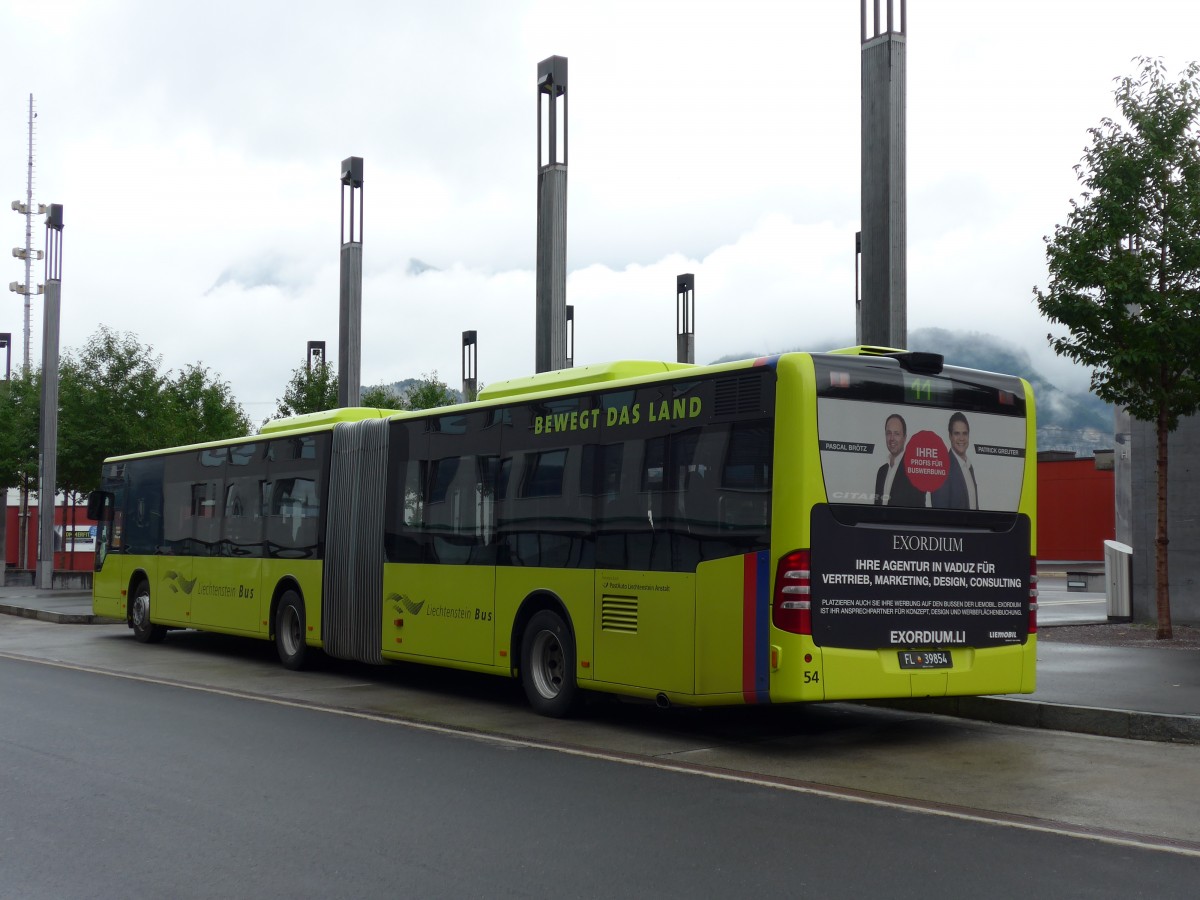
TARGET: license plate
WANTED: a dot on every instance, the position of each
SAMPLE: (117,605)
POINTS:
(925,659)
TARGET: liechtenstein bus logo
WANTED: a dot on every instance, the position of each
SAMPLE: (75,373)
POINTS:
(412,606)
(177,582)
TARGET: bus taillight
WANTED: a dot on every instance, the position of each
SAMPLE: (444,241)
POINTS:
(793,606)
(1033,595)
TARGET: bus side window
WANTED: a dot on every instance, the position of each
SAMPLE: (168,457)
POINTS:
(408,445)
(457,500)
(295,468)
(207,507)
(744,506)
(177,505)
(542,521)
(143,509)
(242,522)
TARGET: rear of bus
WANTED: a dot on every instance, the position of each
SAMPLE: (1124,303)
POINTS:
(904,529)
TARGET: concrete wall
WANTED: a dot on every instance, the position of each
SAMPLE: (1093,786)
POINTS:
(1183,521)
(71,581)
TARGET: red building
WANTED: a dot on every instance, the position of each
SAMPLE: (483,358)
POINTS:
(1075,507)
(79,531)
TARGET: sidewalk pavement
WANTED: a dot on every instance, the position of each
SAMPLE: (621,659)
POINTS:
(1125,692)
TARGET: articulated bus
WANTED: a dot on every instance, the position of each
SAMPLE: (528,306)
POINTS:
(804,527)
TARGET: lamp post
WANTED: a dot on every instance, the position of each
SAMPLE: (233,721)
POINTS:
(48,467)
(315,356)
(883,317)
(857,288)
(569,358)
(470,366)
(550,336)
(350,306)
(685,318)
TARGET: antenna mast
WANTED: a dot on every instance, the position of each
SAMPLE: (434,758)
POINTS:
(29,211)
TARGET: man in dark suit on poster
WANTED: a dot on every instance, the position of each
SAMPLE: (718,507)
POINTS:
(960,490)
(892,484)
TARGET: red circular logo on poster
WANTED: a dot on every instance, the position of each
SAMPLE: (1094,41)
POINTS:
(927,461)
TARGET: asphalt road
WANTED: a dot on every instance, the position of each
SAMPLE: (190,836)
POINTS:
(117,786)
(1059,606)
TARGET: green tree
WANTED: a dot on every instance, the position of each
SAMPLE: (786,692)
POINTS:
(20,398)
(426,392)
(381,396)
(429,392)
(198,407)
(113,399)
(109,396)
(1125,268)
(315,389)
(311,389)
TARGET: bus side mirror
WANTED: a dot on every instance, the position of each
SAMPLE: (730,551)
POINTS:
(96,503)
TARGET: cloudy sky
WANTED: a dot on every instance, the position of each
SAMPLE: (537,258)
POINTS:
(196,151)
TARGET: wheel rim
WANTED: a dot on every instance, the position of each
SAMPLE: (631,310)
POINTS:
(548,664)
(290,631)
(141,610)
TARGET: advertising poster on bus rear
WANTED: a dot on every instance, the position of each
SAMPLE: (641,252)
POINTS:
(935,562)
(885,455)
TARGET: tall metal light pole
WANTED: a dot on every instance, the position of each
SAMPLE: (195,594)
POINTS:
(470,366)
(883,320)
(550,340)
(857,287)
(316,355)
(48,457)
(350,305)
(685,318)
(569,338)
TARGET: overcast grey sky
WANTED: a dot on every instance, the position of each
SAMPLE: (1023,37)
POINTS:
(196,147)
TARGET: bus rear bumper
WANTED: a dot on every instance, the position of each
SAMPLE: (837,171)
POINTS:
(877,675)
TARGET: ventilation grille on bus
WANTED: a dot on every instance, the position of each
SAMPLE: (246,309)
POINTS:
(739,395)
(619,614)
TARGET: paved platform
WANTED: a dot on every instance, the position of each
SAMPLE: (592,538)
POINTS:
(1138,693)
(62,607)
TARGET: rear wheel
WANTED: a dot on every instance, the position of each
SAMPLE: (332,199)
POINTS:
(548,665)
(139,616)
(289,631)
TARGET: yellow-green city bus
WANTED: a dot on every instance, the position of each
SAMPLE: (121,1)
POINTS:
(804,527)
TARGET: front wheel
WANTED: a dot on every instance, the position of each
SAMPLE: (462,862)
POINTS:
(289,631)
(139,616)
(548,666)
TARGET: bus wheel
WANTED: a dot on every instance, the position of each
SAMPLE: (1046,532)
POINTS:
(548,666)
(289,631)
(139,616)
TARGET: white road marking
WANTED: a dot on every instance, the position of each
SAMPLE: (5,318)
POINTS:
(833,792)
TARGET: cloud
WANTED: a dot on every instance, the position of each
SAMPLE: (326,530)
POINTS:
(202,202)
(289,274)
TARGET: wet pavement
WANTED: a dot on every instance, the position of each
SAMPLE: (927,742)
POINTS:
(1128,692)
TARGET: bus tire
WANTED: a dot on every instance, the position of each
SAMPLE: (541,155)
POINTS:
(139,616)
(289,631)
(548,665)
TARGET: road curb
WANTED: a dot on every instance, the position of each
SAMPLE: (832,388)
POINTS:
(1118,723)
(58,618)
